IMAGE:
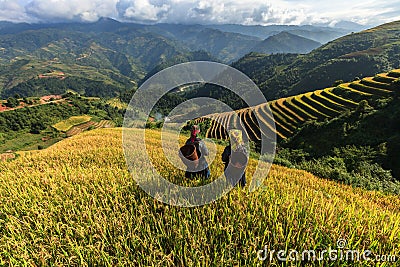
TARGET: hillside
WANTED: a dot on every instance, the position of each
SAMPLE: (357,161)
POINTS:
(374,128)
(321,36)
(191,56)
(68,205)
(107,60)
(291,113)
(224,46)
(356,55)
(285,42)
(347,133)
(37,124)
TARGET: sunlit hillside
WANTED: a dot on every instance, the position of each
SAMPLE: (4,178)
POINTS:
(290,113)
(75,203)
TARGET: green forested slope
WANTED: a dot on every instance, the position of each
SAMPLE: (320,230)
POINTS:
(355,55)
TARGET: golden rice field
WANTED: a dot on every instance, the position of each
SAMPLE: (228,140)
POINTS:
(115,102)
(76,204)
(67,124)
(87,125)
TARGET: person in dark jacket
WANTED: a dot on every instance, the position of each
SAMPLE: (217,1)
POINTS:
(236,145)
(202,151)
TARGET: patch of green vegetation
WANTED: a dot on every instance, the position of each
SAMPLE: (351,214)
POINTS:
(31,127)
(360,148)
(25,140)
(38,87)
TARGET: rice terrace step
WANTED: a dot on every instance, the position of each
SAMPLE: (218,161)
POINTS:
(292,112)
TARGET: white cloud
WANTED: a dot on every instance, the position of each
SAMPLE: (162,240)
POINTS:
(84,10)
(259,11)
(143,10)
(204,11)
(11,10)
(360,12)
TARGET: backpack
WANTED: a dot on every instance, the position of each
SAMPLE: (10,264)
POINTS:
(196,143)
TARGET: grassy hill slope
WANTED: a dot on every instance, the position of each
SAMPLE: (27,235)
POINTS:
(75,203)
(371,133)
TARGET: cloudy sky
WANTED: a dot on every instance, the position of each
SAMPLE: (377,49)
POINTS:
(264,12)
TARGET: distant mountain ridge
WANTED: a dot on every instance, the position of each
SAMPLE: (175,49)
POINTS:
(116,54)
(320,34)
(353,56)
(286,42)
(186,33)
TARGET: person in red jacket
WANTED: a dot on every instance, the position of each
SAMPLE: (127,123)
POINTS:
(202,151)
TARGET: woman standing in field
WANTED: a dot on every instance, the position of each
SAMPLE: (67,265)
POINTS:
(237,147)
(202,151)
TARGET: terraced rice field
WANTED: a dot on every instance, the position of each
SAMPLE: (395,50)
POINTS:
(67,124)
(292,112)
(85,126)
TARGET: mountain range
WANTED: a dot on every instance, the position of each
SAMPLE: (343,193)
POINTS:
(353,56)
(120,55)
(285,42)
(322,34)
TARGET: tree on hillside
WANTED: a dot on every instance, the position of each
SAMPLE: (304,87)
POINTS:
(36,127)
(12,102)
(396,86)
